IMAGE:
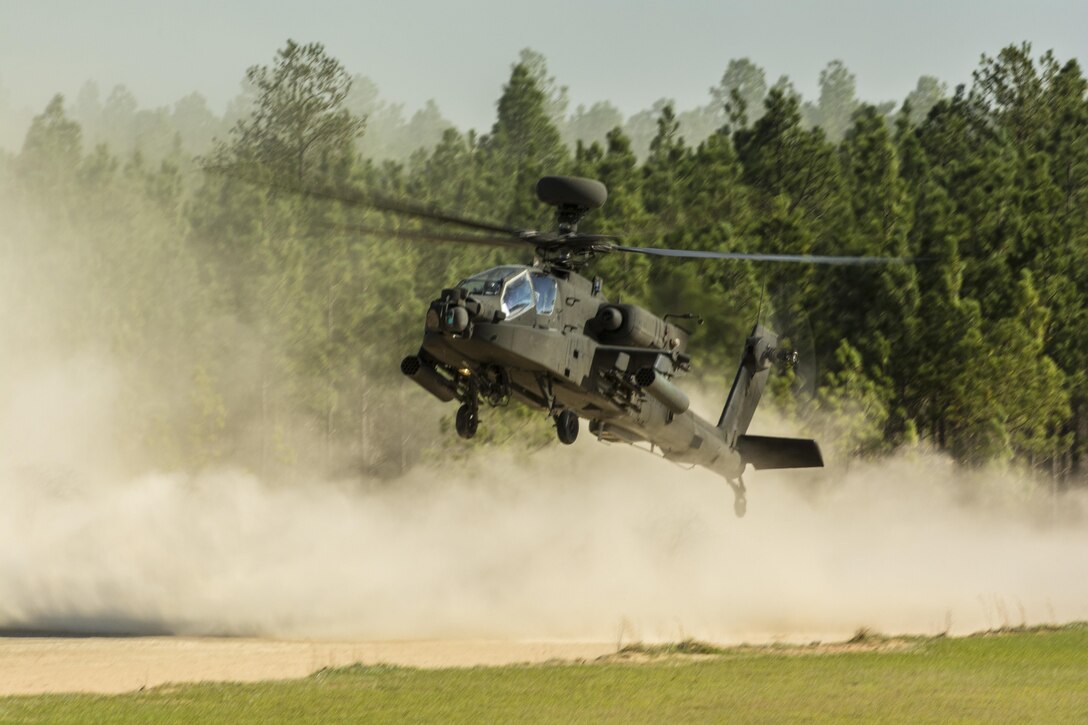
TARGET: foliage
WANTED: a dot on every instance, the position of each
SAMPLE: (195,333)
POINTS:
(281,329)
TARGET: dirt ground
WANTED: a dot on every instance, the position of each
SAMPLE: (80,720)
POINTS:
(31,665)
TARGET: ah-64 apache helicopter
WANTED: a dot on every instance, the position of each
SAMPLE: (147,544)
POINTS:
(546,336)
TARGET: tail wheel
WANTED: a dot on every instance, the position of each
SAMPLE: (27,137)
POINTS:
(566,426)
(468,419)
(740,500)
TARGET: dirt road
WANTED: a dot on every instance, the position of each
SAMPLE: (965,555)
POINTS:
(30,665)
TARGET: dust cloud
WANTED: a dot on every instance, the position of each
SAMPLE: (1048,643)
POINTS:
(592,542)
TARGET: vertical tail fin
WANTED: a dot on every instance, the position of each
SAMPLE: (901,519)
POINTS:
(755,366)
(760,354)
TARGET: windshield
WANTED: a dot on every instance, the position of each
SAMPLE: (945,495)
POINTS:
(489,282)
(518,295)
(545,293)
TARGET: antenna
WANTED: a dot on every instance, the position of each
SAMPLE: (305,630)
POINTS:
(762,290)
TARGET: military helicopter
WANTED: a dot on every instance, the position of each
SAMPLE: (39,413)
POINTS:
(546,336)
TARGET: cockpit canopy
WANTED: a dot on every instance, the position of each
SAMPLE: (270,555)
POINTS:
(519,289)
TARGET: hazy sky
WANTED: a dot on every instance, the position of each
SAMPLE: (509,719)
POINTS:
(630,52)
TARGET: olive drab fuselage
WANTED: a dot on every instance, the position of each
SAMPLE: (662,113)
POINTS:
(564,346)
(547,337)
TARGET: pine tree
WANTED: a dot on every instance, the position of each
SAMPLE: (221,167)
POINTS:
(663,172)
(740,93)
(52,148)
(837,102)
(879,303)
(523,146)
(299,115)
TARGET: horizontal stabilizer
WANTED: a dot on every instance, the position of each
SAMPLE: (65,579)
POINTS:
(765,452)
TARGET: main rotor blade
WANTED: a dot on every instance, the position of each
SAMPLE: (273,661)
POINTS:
(375,201)
(426,236)
(757,257)
(592,238)
(408,208)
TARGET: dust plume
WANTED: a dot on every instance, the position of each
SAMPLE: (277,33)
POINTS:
(594,542)
(99,351)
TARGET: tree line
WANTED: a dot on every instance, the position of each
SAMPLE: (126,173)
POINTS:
(258,327)
(114,116)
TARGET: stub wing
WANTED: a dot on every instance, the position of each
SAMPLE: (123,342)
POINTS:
(767,452)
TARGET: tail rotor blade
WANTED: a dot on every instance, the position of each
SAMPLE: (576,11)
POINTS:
(795,329)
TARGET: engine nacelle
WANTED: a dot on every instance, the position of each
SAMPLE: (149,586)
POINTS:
(634,326)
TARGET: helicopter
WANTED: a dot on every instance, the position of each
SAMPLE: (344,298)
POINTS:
(546,336)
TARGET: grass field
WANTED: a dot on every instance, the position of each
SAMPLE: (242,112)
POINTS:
(1038,675)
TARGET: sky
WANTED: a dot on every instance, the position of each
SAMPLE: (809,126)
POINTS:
(629,52)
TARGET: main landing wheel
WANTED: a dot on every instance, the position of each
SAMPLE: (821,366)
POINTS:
(566,425)
(468,419)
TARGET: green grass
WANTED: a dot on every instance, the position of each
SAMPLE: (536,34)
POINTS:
(1038,675)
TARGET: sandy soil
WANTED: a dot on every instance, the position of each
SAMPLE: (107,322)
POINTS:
(31,665)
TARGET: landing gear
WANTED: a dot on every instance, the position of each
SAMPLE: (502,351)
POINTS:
(740,501)
(566,426)
(468,419)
